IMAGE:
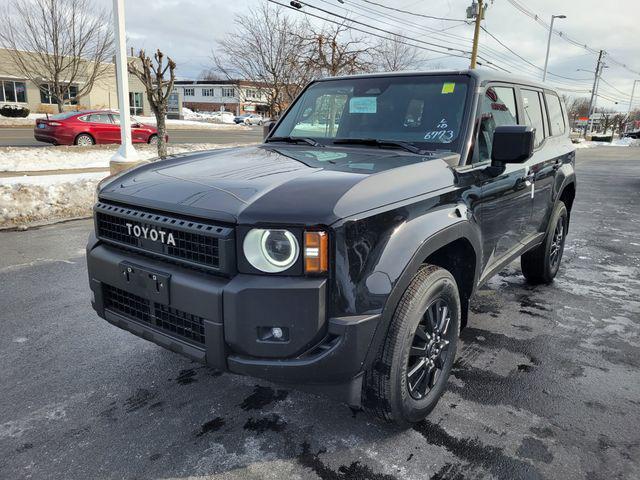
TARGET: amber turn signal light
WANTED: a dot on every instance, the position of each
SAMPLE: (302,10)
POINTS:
(316,252)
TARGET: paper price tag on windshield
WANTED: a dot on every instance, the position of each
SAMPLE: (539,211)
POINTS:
(448,87)
(363,105)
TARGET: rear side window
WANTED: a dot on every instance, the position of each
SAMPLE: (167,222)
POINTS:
(532,106)
(556,117)
(497,108)
(100,118)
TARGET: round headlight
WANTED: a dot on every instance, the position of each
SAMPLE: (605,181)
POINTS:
(271,251)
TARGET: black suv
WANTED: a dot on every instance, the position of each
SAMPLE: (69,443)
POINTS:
(340,255)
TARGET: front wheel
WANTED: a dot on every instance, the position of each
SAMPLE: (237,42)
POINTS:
(541,264)
(410,373)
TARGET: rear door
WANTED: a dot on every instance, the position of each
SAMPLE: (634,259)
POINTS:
(548,161)
(102,128)
(544,162)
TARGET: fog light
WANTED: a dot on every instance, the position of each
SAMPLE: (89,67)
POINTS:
(273,334)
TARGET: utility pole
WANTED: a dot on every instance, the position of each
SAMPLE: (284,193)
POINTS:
(594,90)
(546,59)
(633,90)
(475,10)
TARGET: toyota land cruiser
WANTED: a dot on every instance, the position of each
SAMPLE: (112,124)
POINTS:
(340,254)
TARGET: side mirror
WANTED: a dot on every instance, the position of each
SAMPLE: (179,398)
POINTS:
(512,144)
(267,127)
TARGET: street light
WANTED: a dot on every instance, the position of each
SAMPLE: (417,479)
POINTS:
(546,60)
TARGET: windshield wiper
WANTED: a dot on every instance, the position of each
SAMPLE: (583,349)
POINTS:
(308,140)
(409,147)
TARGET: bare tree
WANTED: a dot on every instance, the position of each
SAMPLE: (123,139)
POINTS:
(63,44)
(333,51)
(394,54)
(262,51)
(576,108)
(210,75)
(152,75)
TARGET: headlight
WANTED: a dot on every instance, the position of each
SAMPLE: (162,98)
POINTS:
(271,251)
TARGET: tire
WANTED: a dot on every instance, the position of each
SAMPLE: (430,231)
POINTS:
(84,140)
(153,139)
(260,123)
(541,264)
(392,389)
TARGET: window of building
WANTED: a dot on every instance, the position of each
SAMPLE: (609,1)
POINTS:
(208,92)
(497,108)
(11,91)
(228,92)
(556,116)
(135,103)
(252,93)
(47,96)
(189,92)
(533,116)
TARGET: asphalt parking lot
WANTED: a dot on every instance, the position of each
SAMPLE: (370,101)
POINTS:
(546,384)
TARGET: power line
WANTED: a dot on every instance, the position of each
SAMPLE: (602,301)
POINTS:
(565,37)
(415,14)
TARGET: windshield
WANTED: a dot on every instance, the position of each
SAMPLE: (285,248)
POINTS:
(426,111)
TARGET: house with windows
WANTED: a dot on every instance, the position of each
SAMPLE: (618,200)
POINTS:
(15,89)
(236,96)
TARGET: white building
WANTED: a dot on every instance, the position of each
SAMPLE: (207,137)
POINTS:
(236,96)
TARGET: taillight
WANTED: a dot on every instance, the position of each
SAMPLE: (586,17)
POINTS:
(316,252)
(54,124)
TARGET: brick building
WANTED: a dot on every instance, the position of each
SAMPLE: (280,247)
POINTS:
(236,96)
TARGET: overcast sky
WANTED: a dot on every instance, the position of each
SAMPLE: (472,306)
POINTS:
(187,30)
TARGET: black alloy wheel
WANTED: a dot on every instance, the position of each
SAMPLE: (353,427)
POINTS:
(429,349)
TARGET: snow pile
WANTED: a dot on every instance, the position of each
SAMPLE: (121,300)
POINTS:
(215,117)
(28,159)
(617,142)
(46,198)
(203,122)
(38,198)
(29,121)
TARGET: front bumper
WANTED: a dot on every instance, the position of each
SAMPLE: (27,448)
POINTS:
(319,354)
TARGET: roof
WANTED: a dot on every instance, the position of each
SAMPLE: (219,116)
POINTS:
(481,75)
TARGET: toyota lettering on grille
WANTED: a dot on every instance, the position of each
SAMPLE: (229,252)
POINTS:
(151,233)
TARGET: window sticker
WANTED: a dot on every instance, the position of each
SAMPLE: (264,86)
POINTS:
(448,87)
(439,136)
(443,124)
(363,105)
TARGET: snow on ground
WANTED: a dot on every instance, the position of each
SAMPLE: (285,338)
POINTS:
(32,199)
(193,124)
(25,200)
(62,157)
(617,142)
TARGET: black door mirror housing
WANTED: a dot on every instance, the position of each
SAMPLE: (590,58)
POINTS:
(512,144)
(267,127)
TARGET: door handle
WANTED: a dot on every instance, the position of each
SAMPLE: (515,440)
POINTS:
(557,165)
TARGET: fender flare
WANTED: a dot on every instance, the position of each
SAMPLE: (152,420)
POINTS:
(460,230)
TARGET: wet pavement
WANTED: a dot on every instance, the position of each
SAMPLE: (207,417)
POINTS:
(546,384)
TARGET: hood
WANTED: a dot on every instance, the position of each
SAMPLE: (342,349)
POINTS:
(280,184)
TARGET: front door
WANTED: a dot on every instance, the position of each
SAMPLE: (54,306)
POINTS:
(504,207)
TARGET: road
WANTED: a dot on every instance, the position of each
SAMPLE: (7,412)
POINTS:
(23,137)
(546,384)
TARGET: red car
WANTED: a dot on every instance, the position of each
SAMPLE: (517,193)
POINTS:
(89,128)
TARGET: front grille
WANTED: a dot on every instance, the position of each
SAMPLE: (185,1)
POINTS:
(193,244)
(161,317)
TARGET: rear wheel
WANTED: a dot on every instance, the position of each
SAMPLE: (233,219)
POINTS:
(413,365)
(153,139)
(84,140)
(541,264)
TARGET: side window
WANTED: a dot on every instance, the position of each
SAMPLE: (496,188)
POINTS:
(497,108)
(100,118)
(556,117)
(533,113)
